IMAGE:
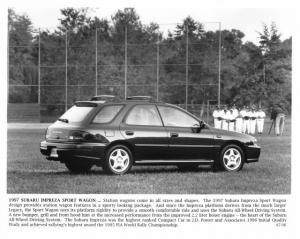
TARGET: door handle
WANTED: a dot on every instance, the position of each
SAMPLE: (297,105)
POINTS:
(129,132)
(173,135)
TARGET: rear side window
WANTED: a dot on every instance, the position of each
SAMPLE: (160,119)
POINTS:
(107,114)
(143,115)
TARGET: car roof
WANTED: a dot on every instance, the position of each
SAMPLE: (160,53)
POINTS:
(111,99)
(102,102)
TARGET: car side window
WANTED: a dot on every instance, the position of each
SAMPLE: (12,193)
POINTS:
(107,113)
(175,117)
(143,115)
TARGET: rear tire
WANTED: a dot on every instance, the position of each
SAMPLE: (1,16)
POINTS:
(118,160)
(231,158)
(78,166)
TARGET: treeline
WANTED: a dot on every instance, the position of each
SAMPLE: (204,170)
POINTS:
(250,74)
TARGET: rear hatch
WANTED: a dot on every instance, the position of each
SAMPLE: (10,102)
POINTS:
(71,121)
(60,132)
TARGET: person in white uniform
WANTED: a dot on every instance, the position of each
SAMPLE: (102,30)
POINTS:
(217,113)
(239,122)
(253,117)
(231,120)
(246,119)
(235,114)
(260,120)
(225,116)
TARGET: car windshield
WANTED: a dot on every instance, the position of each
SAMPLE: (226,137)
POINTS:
(76,114)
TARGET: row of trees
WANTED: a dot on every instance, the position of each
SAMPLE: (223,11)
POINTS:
(250,74)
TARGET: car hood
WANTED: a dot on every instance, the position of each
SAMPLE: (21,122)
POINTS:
(233,135)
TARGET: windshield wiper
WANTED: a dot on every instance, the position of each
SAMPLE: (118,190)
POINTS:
(63,120)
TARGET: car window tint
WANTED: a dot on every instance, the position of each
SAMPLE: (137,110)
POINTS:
(107,113)
(76,113)
(144,115)
(175,117)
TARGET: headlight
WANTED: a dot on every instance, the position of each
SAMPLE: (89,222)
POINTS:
(253,141)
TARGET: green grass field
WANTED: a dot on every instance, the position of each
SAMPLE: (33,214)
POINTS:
(29,172)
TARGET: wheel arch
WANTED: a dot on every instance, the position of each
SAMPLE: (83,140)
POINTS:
(234,142)
(121,142)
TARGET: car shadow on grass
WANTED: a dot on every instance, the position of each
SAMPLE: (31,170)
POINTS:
(99,171)
(154,170)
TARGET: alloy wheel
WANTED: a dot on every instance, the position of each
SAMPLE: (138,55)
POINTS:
(232,159)
(119,160)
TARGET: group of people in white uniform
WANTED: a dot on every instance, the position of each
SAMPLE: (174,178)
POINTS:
(245,120)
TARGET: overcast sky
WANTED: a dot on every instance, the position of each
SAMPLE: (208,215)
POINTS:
(248,20)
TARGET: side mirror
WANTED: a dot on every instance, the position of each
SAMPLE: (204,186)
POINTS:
(196,128)
(202,125)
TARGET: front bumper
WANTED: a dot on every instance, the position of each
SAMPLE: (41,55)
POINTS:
(58,151)
(252,153)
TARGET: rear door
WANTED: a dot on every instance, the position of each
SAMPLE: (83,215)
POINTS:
(185,142)
(143,128)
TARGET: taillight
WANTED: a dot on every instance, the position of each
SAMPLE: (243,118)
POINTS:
(47,134)
(83,136)
(78,136)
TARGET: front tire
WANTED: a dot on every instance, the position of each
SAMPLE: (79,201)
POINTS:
(118,160)
(78,166)
(231,158)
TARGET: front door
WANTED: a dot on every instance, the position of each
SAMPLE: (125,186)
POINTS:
(185,140)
